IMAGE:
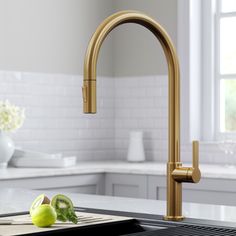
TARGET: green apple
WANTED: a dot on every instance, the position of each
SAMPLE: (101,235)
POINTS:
(44,215)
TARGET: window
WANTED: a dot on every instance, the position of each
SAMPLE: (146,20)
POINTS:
(225,65)
(219,68)
(207,52)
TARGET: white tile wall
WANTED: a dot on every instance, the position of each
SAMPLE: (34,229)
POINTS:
(141,103)
(209,153)
(54,118)
(55,121)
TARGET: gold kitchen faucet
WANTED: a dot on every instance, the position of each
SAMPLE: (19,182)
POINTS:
(176,173)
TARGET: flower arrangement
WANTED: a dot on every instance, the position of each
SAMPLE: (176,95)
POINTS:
(11,116)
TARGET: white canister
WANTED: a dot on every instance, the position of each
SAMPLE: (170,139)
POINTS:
(136,147)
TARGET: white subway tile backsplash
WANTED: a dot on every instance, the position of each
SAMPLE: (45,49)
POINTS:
(137,92)
(55,121)
(136,107)
(138,113)
(142,103)
(54,118)
(146,123)
(145,102)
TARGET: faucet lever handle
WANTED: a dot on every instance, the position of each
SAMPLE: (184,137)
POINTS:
(194,171)
(189,174)
(195,146)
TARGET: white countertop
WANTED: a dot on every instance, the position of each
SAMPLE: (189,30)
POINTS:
(145,168)
(17,200)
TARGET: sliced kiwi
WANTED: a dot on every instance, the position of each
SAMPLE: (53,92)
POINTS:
(64,208)
(61,201)
(40,200)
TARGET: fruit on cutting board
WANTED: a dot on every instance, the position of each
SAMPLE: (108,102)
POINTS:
(44,215)
(64,208)
(44,212)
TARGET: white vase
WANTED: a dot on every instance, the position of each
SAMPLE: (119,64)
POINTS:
(7,148)
(136,147)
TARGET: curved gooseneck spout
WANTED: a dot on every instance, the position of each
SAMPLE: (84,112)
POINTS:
(176,174)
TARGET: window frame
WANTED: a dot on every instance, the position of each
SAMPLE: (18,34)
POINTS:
(209,87)
(189,52)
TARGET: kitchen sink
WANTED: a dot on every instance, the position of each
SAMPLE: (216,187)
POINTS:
(130,224)
(154,225)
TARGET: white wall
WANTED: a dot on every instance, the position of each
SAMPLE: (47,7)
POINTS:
(136,51)
(44,41)
(46,44)
(51,36)
(140,94)
(141,104)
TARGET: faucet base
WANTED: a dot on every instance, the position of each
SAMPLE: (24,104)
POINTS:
(173,218)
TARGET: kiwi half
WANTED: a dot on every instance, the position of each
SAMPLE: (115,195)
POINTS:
(61,201)
(40,200)
(64,208)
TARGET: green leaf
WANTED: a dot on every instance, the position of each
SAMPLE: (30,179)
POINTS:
(72,216)
(67,214)
(61,218)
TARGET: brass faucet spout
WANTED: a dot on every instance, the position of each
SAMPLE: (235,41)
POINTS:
(176,174)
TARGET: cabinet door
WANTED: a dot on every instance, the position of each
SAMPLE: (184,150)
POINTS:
(209,191)
(90,184)
(157,187)
(126,185)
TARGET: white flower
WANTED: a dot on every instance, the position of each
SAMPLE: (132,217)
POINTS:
(11,117)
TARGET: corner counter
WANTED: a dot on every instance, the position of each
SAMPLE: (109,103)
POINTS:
(122,167)
(136,180)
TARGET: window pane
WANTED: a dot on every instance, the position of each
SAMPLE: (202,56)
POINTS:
(228,45)
(228,5)
(227,105)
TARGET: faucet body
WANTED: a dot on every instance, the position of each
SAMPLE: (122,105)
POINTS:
(176,174)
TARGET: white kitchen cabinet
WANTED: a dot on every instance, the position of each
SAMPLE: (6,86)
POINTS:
(84,183)
(209,191)
(127,180)
(126,185)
